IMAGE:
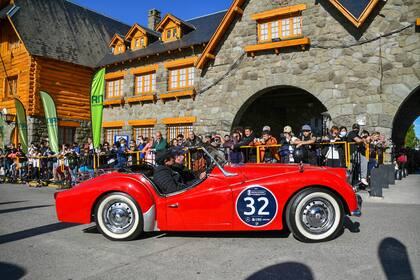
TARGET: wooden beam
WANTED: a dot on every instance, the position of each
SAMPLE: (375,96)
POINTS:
(355,21)
(113,124)
(239,11)
(69,123)
(147,122)
(144,69)
(115,75)
(277,45)
(418,22)
(279,12)
(189,61)
(180,120)
(210,56)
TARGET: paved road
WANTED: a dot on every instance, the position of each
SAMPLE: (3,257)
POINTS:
(33,245)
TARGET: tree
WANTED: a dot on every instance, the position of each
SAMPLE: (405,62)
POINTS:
(410,138)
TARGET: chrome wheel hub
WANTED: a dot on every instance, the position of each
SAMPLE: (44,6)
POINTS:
(118,217)
(317,216)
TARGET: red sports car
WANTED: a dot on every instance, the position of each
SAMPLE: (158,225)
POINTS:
(310,201)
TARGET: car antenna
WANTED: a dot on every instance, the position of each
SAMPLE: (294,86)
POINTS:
(301,169)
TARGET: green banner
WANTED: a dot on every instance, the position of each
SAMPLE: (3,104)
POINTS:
(51,120)
(96,105)
(22,125)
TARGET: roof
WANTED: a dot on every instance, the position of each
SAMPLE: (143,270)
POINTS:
(145,29)
(355,11)
(65,31)
(234,9)
(205,26)
(174,18)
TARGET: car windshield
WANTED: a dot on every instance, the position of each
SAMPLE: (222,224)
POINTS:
(216,155)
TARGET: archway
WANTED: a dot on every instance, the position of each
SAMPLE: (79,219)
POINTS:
(408,111)
(280,106)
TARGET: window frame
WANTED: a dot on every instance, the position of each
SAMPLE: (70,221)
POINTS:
(182,128)
(187,72)
(8,87)
(279,19)
(150,131)
(120,88)
(114,131)
(152,83)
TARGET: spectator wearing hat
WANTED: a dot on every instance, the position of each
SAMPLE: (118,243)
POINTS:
(305,146)
(286,141)
(267,154)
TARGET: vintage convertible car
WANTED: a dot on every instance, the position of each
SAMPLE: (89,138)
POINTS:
(310,201)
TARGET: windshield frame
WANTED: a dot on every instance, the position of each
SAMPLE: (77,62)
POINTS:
(209,151)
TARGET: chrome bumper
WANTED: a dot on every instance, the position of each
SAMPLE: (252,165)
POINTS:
(358,211)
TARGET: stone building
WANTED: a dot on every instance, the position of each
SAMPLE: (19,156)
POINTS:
(53,46)
(276,63)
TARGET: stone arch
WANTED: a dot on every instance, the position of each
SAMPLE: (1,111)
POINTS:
(281,105)
(407,112)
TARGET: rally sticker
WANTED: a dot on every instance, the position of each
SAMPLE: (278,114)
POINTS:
(256,206)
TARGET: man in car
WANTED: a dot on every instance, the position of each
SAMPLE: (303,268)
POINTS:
(164,177)
(187,176)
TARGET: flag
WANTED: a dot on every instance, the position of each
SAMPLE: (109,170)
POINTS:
(51,120)
(96,105)
(22,125)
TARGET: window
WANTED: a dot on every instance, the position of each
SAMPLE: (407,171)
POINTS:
(114,88)
(110,134)
(145,131)
(11,84)
(284,28)
(137,43)
(181,78)
(145,83)
(142,44)
(173,130)
(171,34)
(66,134)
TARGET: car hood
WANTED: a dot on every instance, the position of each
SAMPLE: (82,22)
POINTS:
(254,171)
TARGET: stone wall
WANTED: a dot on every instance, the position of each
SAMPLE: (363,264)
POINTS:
(367,81)
(356,76)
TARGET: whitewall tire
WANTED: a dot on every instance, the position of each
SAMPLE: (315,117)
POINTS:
(315,215)
(119,217)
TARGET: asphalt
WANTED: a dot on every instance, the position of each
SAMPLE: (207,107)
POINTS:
(382,244)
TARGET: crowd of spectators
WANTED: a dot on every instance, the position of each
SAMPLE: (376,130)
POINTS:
(241,146)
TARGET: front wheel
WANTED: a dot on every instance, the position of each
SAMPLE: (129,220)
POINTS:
(118,217)
(315,215)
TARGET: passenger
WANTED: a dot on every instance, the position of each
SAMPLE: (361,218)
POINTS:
(167,180)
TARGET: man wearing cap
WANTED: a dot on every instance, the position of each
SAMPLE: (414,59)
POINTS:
(164,177)
(305,145)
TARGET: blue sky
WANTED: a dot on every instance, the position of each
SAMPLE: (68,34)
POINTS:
(131,11)
(417,127)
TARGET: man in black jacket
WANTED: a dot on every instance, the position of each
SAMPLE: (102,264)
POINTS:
(167,180)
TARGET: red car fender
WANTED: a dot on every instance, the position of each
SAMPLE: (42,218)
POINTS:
(77,205)
(285,186)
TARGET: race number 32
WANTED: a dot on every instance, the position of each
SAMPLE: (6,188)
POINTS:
(256,206)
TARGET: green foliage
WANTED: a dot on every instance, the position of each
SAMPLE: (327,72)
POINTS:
(411,140)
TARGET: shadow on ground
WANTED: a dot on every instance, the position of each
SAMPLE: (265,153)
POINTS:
(394,259)
(287,270)
(23,208)
(11,271)
(15,236)
(11,202)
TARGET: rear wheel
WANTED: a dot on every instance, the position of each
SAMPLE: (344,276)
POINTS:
(118,217)
(315,215)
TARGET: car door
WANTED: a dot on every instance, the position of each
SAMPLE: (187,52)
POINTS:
(206,206)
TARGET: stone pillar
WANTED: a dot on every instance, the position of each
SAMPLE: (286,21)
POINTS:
(154,18)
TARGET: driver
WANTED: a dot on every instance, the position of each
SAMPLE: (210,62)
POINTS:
(187,175)
(165,178)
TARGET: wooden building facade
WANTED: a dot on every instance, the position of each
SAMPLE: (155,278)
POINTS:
(54,51)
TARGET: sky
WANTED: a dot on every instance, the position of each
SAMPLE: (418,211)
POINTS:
(417,127)
(131,11)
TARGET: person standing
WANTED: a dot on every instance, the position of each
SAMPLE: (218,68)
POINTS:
(358,151)
(305,146)
(160,144)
